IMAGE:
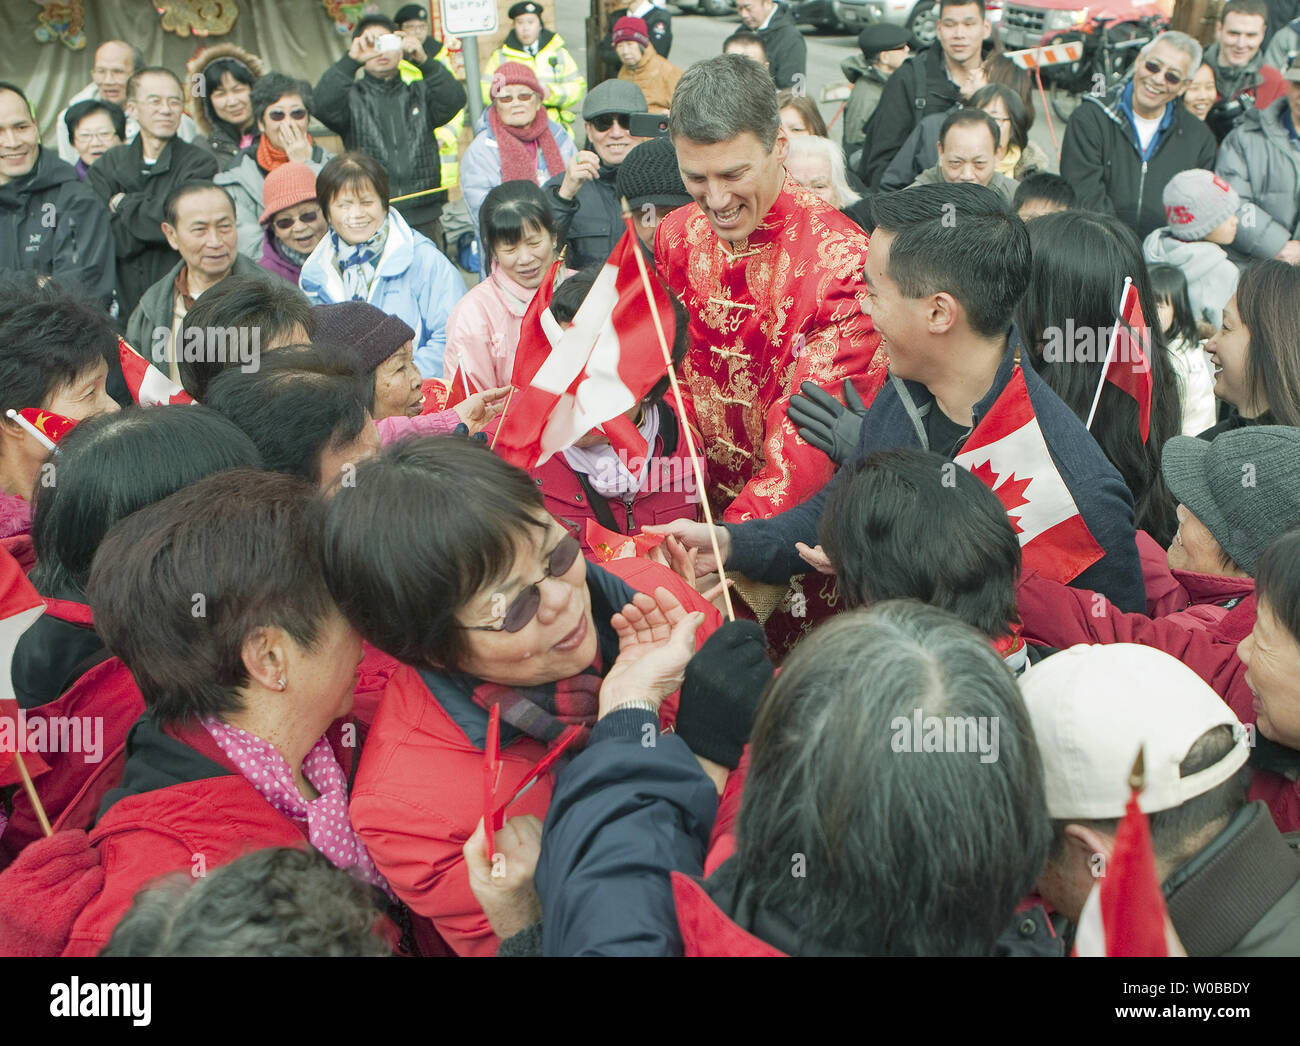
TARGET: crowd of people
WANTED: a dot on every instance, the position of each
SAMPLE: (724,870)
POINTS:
(978,482)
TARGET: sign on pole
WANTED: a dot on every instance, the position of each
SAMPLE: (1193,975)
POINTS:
(468,17)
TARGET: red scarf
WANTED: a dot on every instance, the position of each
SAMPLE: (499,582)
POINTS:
(518,147)
(269,157)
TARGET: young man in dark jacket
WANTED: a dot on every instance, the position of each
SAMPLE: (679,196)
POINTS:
(942,302)
(787,51)
(392,120)
(1120,150)
(135,180)
(930,82)
(50,223)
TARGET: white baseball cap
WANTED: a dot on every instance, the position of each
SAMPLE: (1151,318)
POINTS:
(1094,707)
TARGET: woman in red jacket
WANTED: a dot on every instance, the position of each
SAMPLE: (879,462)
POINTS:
(444,557)
(215,600)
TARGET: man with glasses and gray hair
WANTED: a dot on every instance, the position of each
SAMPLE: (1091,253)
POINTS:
(1121,148)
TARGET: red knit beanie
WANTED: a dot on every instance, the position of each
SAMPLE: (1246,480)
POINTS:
(516,73)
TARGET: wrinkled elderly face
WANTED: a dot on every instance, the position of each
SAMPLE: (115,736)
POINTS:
(517,105)
(1160,76)
(1271,655)
(158,105)
(305,227)
(968,154)
(205,232)
(398,386)
(113,67)
(1194,548)
(814,173)
(94,136)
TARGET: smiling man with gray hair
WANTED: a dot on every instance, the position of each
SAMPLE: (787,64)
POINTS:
(1121,148)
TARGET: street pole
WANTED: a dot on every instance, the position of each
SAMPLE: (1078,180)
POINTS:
(473,88)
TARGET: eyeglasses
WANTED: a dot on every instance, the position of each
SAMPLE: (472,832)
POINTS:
(523,608)
(86,137)
(307,217)
(1172,78)
(278,114)
(522,96)
(155,102)
(605,121)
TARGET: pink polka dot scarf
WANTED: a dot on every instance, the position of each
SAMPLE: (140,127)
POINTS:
(328,827)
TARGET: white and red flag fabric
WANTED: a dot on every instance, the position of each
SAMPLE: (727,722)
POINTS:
(1128,358)
(149,386)
(20,606)
(1008,453)
(568,382)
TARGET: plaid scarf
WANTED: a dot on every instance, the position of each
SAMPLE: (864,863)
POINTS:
(543,712)
(358,263)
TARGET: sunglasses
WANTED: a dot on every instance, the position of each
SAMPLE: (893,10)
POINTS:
(307,217)
(278,115)
(1171,77)
(605,121)
(523,608)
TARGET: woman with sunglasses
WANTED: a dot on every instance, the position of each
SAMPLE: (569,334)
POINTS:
(519,142)
(445,557)
(294,222)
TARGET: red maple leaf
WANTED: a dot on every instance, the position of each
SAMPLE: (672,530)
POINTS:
(1011,493)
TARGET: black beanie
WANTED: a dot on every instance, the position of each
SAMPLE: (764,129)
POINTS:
(649,174)
(364,334)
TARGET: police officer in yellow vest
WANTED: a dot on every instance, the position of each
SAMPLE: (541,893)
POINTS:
(544,52)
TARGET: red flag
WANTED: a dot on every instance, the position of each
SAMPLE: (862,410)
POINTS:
(569,382)
(1128,358)
(20,606)
(50,425)
(1008,454)
(149,386)
(607,545)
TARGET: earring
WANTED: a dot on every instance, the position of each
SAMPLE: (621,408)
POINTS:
(281,684)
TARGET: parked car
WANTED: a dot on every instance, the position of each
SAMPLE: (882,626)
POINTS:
(820,14)
(709,7)
(1038,22)
(920,16)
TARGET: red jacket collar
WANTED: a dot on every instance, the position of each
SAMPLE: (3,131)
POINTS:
(706,930)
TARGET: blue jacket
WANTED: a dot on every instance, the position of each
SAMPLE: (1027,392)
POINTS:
(480,167)
(764,548)
(416,283)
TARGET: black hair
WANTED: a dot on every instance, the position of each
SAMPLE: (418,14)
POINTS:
(910,524)
(351,170)
(1268,305)
(366,21)
(745,35)
(970,118)
(1277,579)
(274,86)
(268,310)
(111,465)
(48,337)
(508,212)
(1043,185)
(959,239)
(430,523)
(1080,261)
(5,85)
(963,3)
(88,107)
(1169,284)
(1014,105)
(212,75)
(295,407)
(173,198)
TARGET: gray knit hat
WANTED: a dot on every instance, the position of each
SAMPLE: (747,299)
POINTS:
(649,174)
(1197,202)
(1245,486)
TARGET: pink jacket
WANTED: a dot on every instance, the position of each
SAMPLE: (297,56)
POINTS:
(398,428)
(1182,597)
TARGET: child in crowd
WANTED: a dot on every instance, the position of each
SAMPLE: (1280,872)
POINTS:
(1185,347)
(1042,193)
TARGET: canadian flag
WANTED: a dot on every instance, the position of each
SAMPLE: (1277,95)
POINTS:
(1007,452)
(20,606)
(568,382)
(149,386)
(1128,358)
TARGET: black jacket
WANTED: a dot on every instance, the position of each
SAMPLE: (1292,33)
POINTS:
(394,122)
(143,256)
(1100,157)
(787,51)
(53,654)
(52,223)
(658,23)
(592,222)
(919,87)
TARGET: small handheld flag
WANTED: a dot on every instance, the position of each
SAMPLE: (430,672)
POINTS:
(1128,359)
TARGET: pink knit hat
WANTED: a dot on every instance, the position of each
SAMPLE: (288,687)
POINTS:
(518,74)
(629,28)
(288,184)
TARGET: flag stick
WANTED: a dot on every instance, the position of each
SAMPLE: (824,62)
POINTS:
(32,430)
(31,793)
(414,195)
(681,407)
(509,396)
(1110,349)
(460,370)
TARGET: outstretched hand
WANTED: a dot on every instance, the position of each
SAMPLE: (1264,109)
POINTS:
(656,638)
(828,425)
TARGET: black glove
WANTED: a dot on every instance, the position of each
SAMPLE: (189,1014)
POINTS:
(826,424)
(724,681)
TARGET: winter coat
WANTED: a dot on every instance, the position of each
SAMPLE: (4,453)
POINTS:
(1186,597)
(1261,80)
(273,261)
(1005,186)
(1259,161)
(591,224)
(448,135)
(59,647)
(921,150)
(215,136)
(156,311)
(143,254)
(67,152)
(656,77)
(394,121)
(1056,616)
(483,333)
(244,181)
(658,23)
(418,793)
(480,167)
(415,282)
(764,549)
(1211,276)
(670,492)
(787,51)
(868,82)
(1101,158)
(554,67)
(1195,384)
(52,224)
(1284,45)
